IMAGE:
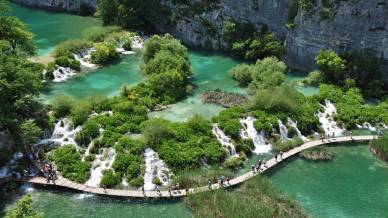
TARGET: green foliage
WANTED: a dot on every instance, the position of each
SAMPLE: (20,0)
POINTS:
(30,132)
(166,42)
(68,62)
(110,179)
(381,146)
(105,52)
(128,164)
(314,78)
(264,121)
(80,112)
(287,145)
(255,198)
(68,161)
(268,73)
(70,47)
(200,177)
(16,33)
(137,182)
(229,123)
(62,105)
(90,130)
(99,33)
(331,65)
(234,162)
(23,209)
(242,73)
(317,154)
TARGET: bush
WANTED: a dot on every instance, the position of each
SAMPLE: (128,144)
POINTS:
(80,112)
(242,73)
(104,52)
(314,78)
(68,62)
(110,179)
(98,33)
(381,147)
(287,145)
(23,208)
(137,182)
(90,130)
(234,162)
(244,146)
(69,47)
(62,106)
(69,163)
(156,181)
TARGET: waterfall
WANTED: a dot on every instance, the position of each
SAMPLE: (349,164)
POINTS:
(294,124)
(102,163)
(137,42)
(63,73)
(223,139)
(367,125)
(63,134)
(326,118)
(84,58)
(6,169)
(283,131)
(155,167)
(250,133)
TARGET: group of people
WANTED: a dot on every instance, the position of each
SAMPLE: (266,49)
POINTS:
(48,170)
(171,189)
(323,136)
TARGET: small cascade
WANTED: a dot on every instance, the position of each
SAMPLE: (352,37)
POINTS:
(64,133)
(102,163)
(91,145)
(155,167)
(124,184)
(224,140)
(84,58)
(294,124)
(283,131)
(367,125)
(63,73)
(137,42)
(250,133)
(326,118)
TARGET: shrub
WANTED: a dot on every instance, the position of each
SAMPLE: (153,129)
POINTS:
(287,144)
(156,181)
(98,33)
(68,62)
(234,162)
(69,163)
(242,73)
(104,52)
(90,130)
(69,47)
(137,182)
(314,78)
(62,106)
(110,179)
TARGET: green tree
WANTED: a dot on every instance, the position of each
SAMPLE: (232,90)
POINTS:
(242,73)
(23,209)
(30,132)
(15,31)
(268,73)
(107,10)
(104,52)
(331,65)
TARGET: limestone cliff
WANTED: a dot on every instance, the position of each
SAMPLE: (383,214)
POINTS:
(61,5)
(342,25)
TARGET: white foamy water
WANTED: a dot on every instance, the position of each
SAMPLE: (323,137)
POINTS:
(63,73)
(367,125)
(283,131)
(223,139)
(294,124)
(26,188)
(84,58)
(83,196)
(102,162)
(63,134)
(155,167)
(137,42)
(326,118)
(251,133)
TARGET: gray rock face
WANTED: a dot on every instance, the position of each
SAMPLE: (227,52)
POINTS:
(357,25)
(63,5)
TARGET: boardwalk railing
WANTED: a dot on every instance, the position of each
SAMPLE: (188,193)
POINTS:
(63,182)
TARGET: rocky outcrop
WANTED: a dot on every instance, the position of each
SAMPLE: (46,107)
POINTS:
(224,99)
(61,5)
(353,25)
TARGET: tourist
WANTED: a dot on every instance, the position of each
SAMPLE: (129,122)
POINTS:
(253,168)
(281,155)
(209,184)
(322,138)
(351,135)
(169,190)
(158,189)
(333,135)
(222,181)
(227,180)
(142,189)
(187,190)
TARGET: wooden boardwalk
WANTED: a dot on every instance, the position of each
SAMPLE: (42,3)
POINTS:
(63,182)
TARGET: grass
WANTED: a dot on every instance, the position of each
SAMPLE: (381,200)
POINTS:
(255,198)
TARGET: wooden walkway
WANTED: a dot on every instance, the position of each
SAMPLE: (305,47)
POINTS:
(63,182)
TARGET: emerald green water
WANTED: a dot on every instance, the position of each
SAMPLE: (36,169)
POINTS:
(54,203)
(51,29)
(355,184)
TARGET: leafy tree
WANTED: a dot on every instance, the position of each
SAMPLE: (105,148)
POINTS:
(155,131)
(16,33)
(267,73)
(104,52)
(166,42)
(30,132)
(331,65)
(107,10)
(110,179)
(23,209)
(242,73)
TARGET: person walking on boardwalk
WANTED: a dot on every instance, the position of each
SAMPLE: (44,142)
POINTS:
(142,189)
(281,155)
(169,190)
(253,168)
(158,189)
(227,180)
(209,184)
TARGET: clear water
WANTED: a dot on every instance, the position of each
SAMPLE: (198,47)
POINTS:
(50,28)
(55,203)
(354,184)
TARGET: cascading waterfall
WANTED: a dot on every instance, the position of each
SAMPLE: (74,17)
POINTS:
(64,133)
(326,118)
(155,167)
(367,125)
(63,73)
(283,131)
(102,163)
(84,58)
(137,42)
(294,124)
(250,133)
(224,140)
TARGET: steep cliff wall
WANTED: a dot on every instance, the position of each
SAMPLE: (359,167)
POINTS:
(343,25)
(352,25)
(61,5)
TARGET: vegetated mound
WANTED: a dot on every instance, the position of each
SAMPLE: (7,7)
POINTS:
(317,154)
(380,147)
(223,98)
(255,198)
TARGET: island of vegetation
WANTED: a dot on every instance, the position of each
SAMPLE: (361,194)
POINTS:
(380,147)
(318,154)
(222,98)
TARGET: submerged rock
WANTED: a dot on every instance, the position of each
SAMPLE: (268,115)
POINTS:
(222,98)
